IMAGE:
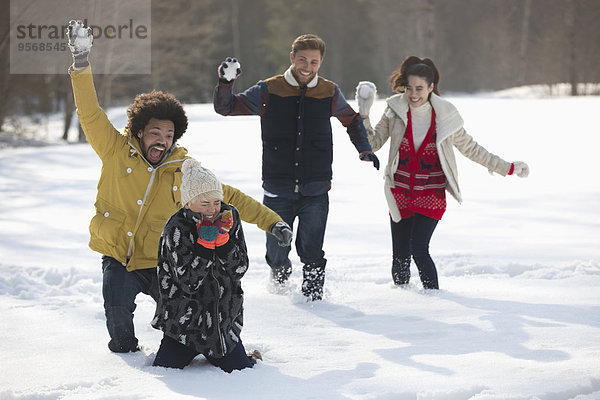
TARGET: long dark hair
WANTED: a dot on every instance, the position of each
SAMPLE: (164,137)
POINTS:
(413,65)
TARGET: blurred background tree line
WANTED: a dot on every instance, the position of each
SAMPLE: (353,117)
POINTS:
(478,45)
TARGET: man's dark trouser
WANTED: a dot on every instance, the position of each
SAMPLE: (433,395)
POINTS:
(119,289)
(311,212)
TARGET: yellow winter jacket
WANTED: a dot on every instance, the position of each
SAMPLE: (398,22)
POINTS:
(135,199)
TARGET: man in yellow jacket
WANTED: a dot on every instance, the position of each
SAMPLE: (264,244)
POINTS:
(138,190)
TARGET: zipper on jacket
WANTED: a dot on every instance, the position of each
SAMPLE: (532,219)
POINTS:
(140,212)
(299,137)
(221,339)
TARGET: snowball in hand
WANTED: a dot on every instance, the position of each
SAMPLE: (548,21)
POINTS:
(81,40)
(365,91)
(83,43)
(230,68)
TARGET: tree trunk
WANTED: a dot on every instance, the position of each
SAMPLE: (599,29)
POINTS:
(524,42)
(571,22)
(105,93)
(82,138)
(69,108)
(334,59)
(4,67)
(235,32)
(429,49)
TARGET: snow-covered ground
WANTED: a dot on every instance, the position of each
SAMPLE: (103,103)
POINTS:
(518,315)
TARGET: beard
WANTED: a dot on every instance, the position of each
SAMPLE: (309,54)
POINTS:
(303,79)
(154,154)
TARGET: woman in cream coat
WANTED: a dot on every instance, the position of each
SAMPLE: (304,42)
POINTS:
(423,128)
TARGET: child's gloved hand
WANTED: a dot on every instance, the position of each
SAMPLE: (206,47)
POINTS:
(214,234)
(207,234)
(225,222)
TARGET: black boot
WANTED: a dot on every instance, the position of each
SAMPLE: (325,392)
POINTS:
(281,275)
(401,270)
(314,279)
(427,272)
(119,321)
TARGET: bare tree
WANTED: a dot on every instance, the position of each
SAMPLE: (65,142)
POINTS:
(235,33)
(69,111)
(4,59)
(571,23)
(429,24)
(524,41)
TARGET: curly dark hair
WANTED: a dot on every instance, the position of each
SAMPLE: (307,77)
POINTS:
(413,65)
(159,105)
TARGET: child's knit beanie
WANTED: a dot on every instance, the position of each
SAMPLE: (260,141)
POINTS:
(198,181)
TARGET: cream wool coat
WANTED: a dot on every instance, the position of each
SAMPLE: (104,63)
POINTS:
(135,199)
(449,134)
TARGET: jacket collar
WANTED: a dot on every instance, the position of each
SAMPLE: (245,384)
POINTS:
(289,78)
(447,118)
(190,215)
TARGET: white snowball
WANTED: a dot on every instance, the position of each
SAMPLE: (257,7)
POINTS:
(231,70)
(365,91)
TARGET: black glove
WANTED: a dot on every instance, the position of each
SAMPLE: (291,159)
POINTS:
(283,233)
(370,156)
(80,43)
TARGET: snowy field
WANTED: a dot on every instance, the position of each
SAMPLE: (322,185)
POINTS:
(517,316)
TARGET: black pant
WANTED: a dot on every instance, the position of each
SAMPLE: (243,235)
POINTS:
(173,354)
(119,289)
(410,237)
(311,212)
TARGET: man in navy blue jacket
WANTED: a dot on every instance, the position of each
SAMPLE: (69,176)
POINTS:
(295,110)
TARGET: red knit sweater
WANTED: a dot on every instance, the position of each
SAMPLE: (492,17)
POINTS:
(420,183)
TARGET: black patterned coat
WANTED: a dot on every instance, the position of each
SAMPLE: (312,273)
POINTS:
(201,297)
